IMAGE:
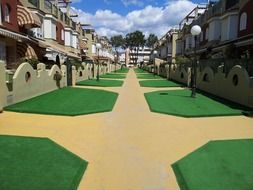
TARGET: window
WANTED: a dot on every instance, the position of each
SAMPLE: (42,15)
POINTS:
(2,51)
(206,34)
(7,11)
(34,2)
(243,21)
(53,29)
(62,35)
(231,3)
(0,13)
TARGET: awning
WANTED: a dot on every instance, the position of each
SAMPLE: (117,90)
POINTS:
(13,35)
(26,17)
(25,50)
(101,58)
(57,48)
(158,61)
(73,55)
(83,45)
(89,59)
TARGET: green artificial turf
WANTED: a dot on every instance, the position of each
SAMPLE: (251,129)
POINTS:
(149,76)
(101,82)
(68,101)
(113,76)
(123,70)
(158,83)
(218,165)
(138,70)
(180,103)
(28,163)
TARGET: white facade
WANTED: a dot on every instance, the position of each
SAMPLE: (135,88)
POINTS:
(122,57)
(143,55)
(49,27)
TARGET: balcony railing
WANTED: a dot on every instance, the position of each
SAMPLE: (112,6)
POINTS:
(47,7)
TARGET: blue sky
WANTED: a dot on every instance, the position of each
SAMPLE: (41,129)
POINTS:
(119,6)
(113,17)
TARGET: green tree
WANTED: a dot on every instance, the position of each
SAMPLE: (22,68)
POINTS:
(117,42)
(134,41)
(151,40)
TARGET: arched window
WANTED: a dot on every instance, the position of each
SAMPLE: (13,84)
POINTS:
(243,21)
(7,12)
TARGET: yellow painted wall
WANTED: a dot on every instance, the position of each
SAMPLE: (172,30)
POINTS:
(219,84)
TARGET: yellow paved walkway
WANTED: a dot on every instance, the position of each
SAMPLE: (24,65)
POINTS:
(129,148)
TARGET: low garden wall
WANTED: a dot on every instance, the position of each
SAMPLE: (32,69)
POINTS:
(27,82)
(236,85)
(3,87)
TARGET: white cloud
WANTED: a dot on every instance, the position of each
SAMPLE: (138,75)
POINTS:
(150,19)
(132,2)
(108,32)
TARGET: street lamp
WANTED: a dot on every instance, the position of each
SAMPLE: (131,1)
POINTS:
(195,31)
(98,47)
(155,53)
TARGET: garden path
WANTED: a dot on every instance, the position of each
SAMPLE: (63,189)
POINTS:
(129,148)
